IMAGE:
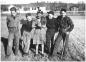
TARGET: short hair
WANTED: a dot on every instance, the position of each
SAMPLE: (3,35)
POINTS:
(13,9)
(28,14)
(63,10)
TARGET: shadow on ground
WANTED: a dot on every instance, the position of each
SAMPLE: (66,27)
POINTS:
(5,43)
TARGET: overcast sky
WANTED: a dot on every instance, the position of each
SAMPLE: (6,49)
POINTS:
(30,1)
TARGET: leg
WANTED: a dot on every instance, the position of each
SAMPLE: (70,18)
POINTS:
(10,43)
(42,48)
(24,39)
(28,46)
(56,45)
(48,38)
(16,42)
(28,38)
(65,45)
(37,48)
(52,44)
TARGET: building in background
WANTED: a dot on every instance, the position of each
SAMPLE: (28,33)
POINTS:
(45,7)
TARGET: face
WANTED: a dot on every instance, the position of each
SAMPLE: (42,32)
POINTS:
(14,13)
(39,15)
(55,15)
(51,16)
(29,18)
(63,13)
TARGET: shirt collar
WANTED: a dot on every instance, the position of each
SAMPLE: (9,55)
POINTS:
(15,16)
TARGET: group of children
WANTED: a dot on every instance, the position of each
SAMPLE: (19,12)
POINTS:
(41,30)
(33,28)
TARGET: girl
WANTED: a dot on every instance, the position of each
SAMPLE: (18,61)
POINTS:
(39,32)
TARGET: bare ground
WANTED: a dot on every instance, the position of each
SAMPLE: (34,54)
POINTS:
(76,50)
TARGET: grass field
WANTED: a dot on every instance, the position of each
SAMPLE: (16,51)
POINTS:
(76,43)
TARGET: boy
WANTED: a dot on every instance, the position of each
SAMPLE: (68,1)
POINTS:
(65,25)
(13,22)
(26,32)
(51,26)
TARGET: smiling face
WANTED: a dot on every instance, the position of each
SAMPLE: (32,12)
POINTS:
(29,18)
(51,16)
(63,13)
(13,13)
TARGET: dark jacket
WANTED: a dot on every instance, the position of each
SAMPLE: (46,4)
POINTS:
(27,25)
(43,21)
(65,24)
(51,23)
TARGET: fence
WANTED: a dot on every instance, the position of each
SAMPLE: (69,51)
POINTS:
(70,13)
(73,13)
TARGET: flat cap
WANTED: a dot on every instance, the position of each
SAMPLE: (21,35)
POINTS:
(51,12)
(13,9)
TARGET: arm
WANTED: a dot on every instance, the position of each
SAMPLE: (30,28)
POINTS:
(46,21)
(20,24)
(44,26)
(71,25)
(38,25)
(7,21)
(47,24)
(22,21)
(57,23)
(33,24)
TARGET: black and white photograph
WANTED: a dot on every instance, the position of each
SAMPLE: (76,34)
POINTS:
(42,30)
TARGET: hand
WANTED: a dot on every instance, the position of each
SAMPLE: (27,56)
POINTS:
(67,32)
(64,30)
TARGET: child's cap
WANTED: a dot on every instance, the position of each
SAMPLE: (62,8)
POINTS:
(41,12)
(28,14)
